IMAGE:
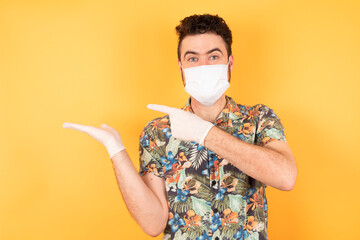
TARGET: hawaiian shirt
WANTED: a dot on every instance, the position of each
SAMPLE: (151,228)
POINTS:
(208,197)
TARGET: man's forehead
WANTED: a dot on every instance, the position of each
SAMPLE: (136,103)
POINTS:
(202,43)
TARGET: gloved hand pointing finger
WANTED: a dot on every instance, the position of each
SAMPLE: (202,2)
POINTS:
(106,135)
(185,125)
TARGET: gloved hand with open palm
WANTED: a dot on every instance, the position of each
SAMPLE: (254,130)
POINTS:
(106,135)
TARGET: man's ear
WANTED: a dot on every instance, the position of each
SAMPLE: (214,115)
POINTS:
(231,62)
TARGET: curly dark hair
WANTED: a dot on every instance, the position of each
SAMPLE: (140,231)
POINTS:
(199,24)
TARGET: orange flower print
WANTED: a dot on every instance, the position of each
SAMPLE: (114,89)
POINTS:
(267,140)
(214,166)
(142,134)
(250,223)
(191,185)
(191,219)
(234,109)
(229,217)
(152,168)
(214,173)
(181,157)
(230,123)
(248,129)
(252,113)
(229,182)
(183,160)
(257,200)
(174,172)
(152,144)
(173,175)
(237,113)
(159,124)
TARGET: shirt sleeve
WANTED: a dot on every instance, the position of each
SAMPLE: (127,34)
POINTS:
(150,153)
(269,127)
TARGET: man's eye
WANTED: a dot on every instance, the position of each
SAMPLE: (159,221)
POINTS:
(192,59)
(214,57)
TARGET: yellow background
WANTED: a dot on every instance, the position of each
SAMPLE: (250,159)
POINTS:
(93,62)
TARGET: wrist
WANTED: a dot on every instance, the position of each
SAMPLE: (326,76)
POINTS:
(206,133)
(114,147)
(208,136)
(119,157)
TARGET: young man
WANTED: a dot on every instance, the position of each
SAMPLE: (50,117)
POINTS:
(203,168)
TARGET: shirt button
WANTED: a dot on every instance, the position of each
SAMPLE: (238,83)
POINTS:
(213,183)
(215,210)
(217,238)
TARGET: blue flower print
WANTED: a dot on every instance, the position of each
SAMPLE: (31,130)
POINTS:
(241,234)
(168,161)
(167,132)
(209,164)
(211,154)
(181,195)
(265,205)
(241,136)
(249,194)
(216,222)
(203,237)
(206,172)
(176,222)
(221,194)
(144,141)
(199,147)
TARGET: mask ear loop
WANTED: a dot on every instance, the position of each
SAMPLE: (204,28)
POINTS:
(183,73)
(181,66)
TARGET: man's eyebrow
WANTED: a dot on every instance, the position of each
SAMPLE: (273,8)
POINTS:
(213,50)
(190,52)
(208,52)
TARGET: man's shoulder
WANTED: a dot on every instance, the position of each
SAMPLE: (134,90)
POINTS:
(155,132)
(246,109)
(264,111)
(157,124)
(259,106)
(255,112)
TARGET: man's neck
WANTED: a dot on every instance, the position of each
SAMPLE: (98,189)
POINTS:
(208,113)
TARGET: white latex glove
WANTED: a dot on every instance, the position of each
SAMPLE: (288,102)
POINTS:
(107,135)
(185,125)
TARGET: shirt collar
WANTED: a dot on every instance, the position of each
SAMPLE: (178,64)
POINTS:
(230,107)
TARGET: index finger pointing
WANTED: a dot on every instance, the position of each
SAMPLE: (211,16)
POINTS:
(161,108)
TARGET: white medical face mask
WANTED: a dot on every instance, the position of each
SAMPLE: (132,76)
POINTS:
(206,83)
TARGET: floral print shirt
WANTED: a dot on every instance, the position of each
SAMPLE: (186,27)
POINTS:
(208,197)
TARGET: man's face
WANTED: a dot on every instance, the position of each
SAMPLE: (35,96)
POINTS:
(203,49)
